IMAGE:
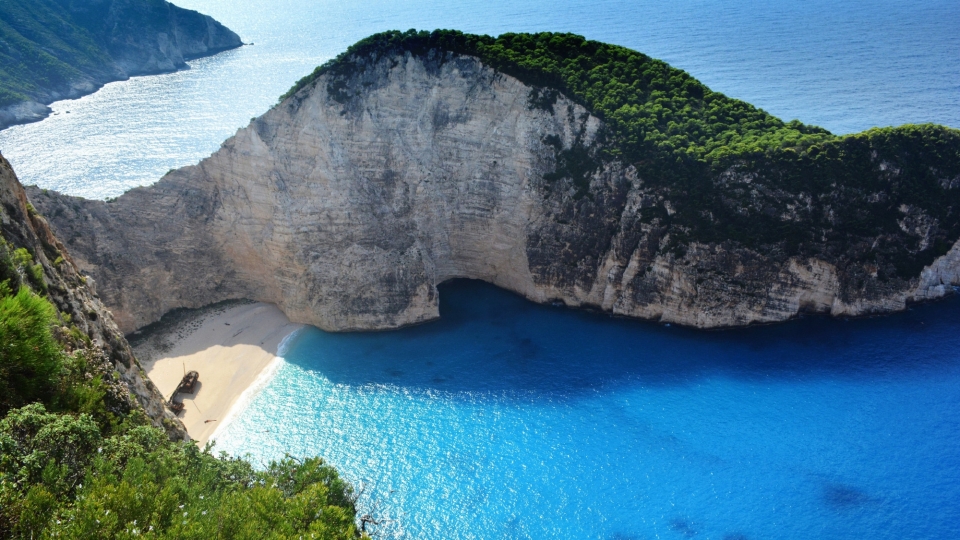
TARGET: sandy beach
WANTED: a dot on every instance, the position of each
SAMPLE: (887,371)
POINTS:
(230,345)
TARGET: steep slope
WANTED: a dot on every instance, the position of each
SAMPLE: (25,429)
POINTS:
(84,324)
(559,168)
(79,457)
(58,49)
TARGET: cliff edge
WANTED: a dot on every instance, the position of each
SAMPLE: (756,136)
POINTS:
(84,325)
(60,49)
(562,169)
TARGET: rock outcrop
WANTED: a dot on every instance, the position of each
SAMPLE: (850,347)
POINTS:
(348,202)
(58,49)
(105,349)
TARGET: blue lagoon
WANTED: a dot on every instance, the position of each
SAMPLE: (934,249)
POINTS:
(506,419)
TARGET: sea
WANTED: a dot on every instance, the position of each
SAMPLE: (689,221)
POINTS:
(506,419)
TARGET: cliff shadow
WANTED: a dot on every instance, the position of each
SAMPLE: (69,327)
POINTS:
(490,340)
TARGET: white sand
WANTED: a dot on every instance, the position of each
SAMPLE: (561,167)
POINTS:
(229,346)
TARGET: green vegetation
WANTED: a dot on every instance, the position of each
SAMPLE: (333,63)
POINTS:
(650,107)
(17,267)
(77,462)
(697,148)
(62,478)
(50,49)
(42,48)
(30,360)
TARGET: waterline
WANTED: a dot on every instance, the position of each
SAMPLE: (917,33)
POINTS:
(507,419)
(263,379)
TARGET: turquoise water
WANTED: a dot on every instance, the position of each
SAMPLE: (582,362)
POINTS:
(845,65)
(507,419)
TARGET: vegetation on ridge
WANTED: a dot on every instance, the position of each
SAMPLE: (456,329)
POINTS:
(650,107)
(731,171)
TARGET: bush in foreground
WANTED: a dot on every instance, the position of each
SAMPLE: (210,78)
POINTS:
(60,477)
(75,464)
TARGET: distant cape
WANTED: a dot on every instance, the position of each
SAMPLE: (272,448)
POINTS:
(57,49)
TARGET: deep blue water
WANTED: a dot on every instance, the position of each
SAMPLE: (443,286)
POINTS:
(505,419)
(509,420)
(846,65)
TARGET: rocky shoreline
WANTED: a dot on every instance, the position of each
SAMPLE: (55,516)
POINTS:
(107,42)
(87,326)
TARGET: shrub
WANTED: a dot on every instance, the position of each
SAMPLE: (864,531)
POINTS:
(30,359)
(23,261)
(60,477)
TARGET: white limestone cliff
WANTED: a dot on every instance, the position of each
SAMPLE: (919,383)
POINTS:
(347,209)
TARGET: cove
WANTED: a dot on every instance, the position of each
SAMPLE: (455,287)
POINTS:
(506,419)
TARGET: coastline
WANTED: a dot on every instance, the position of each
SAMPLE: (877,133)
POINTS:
(37,110)
(235,348)
(263,379)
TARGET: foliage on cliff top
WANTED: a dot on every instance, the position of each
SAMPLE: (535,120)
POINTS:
(649,106)
(796,189)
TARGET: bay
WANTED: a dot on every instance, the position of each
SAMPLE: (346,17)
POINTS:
(510,420)
(506,419)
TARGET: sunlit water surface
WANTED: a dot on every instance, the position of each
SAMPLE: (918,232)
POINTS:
(847,66)
(507,419)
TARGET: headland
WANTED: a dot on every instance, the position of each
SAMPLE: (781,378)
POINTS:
(52,50)
(565,170)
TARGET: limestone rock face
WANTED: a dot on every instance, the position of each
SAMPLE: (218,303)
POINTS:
(351,200)
(75,297)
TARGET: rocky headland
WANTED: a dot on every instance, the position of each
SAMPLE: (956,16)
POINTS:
(59,49)
(562,169)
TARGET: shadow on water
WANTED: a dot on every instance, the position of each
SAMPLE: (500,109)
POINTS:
(844,497)
(490,340)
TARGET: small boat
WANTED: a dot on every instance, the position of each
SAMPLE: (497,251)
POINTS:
(188,382)
(187,385)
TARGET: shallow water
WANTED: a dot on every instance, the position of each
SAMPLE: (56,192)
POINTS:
(847,66)
(507,419)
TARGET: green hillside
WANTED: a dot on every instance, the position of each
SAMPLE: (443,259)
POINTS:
(49,47)
(41,48)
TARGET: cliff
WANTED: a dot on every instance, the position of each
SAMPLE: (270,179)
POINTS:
(561,169)
(84,325)
(62,49)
